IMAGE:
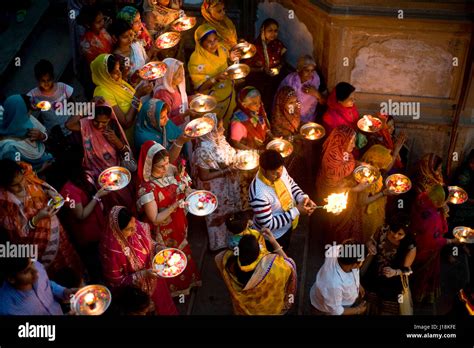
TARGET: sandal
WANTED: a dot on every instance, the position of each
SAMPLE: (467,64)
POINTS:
(20,16)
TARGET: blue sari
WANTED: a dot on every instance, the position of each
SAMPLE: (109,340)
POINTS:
(14,126)
(148,126)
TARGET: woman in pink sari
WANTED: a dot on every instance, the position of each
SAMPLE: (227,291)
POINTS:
(341,108)
(105,145)
(127,251)
(429,226)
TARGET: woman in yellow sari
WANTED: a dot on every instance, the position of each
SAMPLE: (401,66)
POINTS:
(373,198)
(207,67)
(259,282)
(213,12)
(123,98)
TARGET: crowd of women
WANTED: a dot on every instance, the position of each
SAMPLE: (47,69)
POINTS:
(110,237)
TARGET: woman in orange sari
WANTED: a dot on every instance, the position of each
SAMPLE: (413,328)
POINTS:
(335,176)
(161,193)
(27,218)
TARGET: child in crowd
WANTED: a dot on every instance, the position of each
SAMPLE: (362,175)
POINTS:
(55,93)
(239,225)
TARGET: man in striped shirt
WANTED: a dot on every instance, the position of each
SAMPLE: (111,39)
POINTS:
(277,201)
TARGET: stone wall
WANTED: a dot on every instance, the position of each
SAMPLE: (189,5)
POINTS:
(420,58)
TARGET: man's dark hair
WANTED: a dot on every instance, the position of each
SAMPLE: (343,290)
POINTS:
(348,257)
(271,160)
(343,90)
(237,223)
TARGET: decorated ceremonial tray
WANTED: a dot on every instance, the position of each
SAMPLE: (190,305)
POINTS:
(56,202)
(457,195)
(366,174)
(114,178)
(199,127)
(91,300)
(370,124)
(284,147)
(170,263)
(246,159)
(44,105)
(152,71)
(247,50)
(312,131)
(183,23)
(167,40)
(238,71)
(398,183)
(201,203)
(203,103)
(464,234)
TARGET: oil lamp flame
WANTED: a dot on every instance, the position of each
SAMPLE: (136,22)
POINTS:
(336,202)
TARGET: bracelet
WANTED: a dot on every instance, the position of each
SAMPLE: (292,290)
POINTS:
(178,146)
(96,198)
(278,249)
(31,225)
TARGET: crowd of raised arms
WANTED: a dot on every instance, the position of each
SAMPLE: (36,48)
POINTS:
(96,235)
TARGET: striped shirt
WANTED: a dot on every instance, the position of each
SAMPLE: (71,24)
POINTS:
(267,208)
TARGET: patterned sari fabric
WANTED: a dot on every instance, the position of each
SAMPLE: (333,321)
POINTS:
(125,258)
(171,233)
(55,251)
(429,226)
(99,155)
(335,176)
(92,45)
(269,291)
(374,214)
(426,175)
(214,153)
(158,17)
(204,65)
(225,29)
(247,126)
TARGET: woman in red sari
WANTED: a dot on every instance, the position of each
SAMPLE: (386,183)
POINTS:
(127,251)
(27,218)
(341,108)
(249,126)
(429,226)
(161,195)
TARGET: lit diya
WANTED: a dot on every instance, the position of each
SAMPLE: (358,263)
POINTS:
(238,71)
(457,195)
(170,263)
(284,147)
(464,234)
(167,40)
(274,71)
(91,300)
(398,183)
(152,71)
(199,127)
(203,103)
(56,202)
(246,159)
(246,49)
(336,203)
(114,178)
(44,105)
(201,202)
(183,23)
(370,124)
(366,174)
(312,131)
